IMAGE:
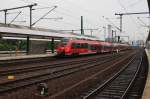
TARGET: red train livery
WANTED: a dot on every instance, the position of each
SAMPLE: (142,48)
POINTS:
(76,47)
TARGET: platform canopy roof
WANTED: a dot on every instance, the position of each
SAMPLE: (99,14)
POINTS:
(23,31)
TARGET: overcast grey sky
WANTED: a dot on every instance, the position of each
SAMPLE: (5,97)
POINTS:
(94,12)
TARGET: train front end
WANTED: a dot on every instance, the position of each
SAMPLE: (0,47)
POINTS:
(64,48)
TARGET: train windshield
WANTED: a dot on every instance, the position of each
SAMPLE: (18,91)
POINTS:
(64,41)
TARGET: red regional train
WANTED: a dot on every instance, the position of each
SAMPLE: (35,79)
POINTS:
(77,47)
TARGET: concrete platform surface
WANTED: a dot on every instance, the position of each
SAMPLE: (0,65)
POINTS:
(146,93)
(25,56)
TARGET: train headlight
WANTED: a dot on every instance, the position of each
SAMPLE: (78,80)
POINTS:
(67,49)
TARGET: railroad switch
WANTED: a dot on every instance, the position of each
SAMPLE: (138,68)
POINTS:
(42,88)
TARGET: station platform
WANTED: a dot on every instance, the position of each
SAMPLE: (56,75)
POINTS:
(26,56)
(146,93)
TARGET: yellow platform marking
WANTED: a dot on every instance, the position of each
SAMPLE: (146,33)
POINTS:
(11,77)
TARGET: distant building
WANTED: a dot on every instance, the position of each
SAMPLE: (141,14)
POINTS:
(109,33)
(139,43)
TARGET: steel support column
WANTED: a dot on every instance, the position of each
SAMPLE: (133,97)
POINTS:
(5,11)
(52,45)
(27,49)
(82,31)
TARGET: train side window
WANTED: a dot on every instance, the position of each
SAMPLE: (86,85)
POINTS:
(93,47)
(86,45)
(89,46)
(100,47)
(82,45)
(104,47)
(97,47)
(74,45)
(78,45)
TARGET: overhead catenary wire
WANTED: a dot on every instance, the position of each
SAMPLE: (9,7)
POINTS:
(137,26)
(131,13)
(71,16)
(15,17)
(141,21)
(124,8)
(135,3)
(144,24)
(44,15)
(67,23)
(112,23)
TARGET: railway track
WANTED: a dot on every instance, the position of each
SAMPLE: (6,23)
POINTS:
(19,65)
(33,68)
(138,86)
(76,89)
(119,85)
(47,70)
(14,62)
(7,86)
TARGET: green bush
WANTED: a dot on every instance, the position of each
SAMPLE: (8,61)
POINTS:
(6,45)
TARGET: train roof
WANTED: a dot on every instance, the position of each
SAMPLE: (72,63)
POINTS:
(95,42)
(90,41)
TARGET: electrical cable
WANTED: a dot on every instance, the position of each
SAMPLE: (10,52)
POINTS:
(15,17)
(126,12)
(137,26)
(42,4)
(135,3)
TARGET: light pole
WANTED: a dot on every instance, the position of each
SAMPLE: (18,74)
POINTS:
(104,33)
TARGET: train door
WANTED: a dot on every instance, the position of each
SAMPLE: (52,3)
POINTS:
(89,48)
(74,48)
(86,47)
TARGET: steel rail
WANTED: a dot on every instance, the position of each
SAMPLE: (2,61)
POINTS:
(132,81)
(101,87)
(41,78)
(48,66)
(106,69)
(91,94)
